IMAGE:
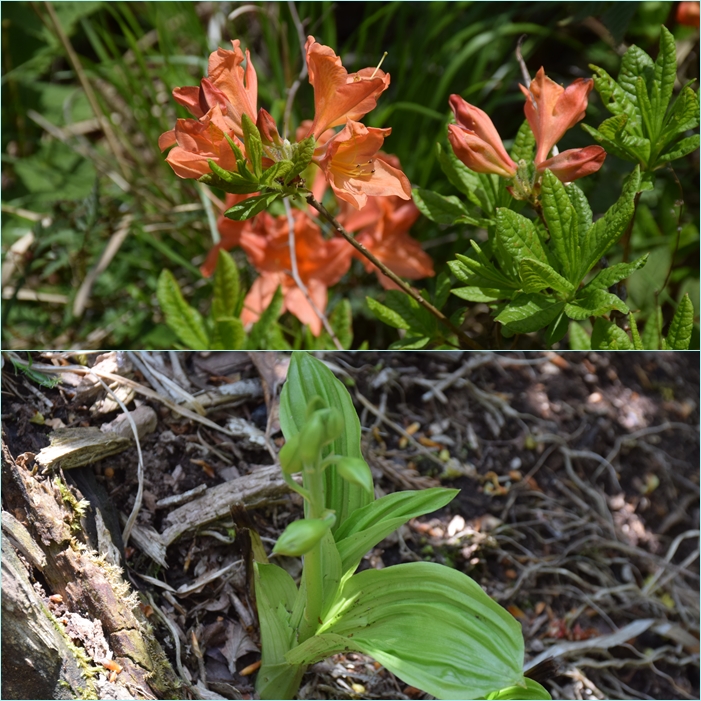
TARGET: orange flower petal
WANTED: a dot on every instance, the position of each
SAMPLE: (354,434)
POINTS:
(551,109)
(575,163)
(476,141)
(338,95)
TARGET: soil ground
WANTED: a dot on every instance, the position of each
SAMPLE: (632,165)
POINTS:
(578,509)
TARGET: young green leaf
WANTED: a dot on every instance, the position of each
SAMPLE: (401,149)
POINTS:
(254,145)
(185,321)
(251,206)
(524,143)
(607,277)
(562,221)
(679,334)
(278,171)
(442,209)
(261,332)
(301,158)
(307,377)
(652,331)
(226,286)
(607,230)
(537,276)
(366,527)
(384,612)
(481,294)
(517,236)
(229,333)
(526,313)
(594,302)
(533,692)
(386,315)
(579,339)
(637,341)
(607,336)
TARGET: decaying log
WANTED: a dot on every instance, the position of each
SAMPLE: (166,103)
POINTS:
(264,485)
(48,664)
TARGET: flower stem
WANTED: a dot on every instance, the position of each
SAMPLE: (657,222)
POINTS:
(465,340)
(313,571)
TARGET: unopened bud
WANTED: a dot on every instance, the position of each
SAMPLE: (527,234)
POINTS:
(356,471)
(289,456)
(300,537)
(313,405)
(311,438)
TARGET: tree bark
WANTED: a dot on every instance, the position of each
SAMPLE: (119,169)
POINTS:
(45,542)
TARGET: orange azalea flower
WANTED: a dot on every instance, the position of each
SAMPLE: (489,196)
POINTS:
(476,141)
(349,164)
(688,14)
(339,95)
(574,163)
(320,263)
(382,226)
(551,110)
(197,142)
(231,87)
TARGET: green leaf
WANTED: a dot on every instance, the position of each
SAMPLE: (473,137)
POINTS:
(607,336)
(387,315)
(532,692)
(226,286)
(275,597)
(652,331)
(637,341)
(260,334)
(518,236)
(526,313)
(645,109)
(254,145)
(611,136)
(229,333)
(482,267)
(612,95)
(442,209)
(536,276)
(442,290)
(301,158)
(410,343)
(679,334)
(562,220)
(306,378)
(461,177)
(607,277)
(683,148)
(556,329)
(580,204)
(251,206)
(369,525)
(579,339)
(411,311)
(607,230)
(341,321)
(635,63)
(228,181)
(385,613)
(684,115)
(185,321)
(594,302)
(278,171)
(481,294)
(524,144)
(665,69)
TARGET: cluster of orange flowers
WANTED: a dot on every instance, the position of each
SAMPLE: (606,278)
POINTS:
(373,193)
(550,110)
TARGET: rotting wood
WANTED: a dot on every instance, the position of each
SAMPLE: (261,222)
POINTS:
(264,485)
(86,584)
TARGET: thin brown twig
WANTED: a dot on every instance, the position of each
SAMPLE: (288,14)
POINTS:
(411,291)
(298,280)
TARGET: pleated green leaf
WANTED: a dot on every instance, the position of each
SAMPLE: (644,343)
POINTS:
(369,525)
(430,625)
(307,377)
